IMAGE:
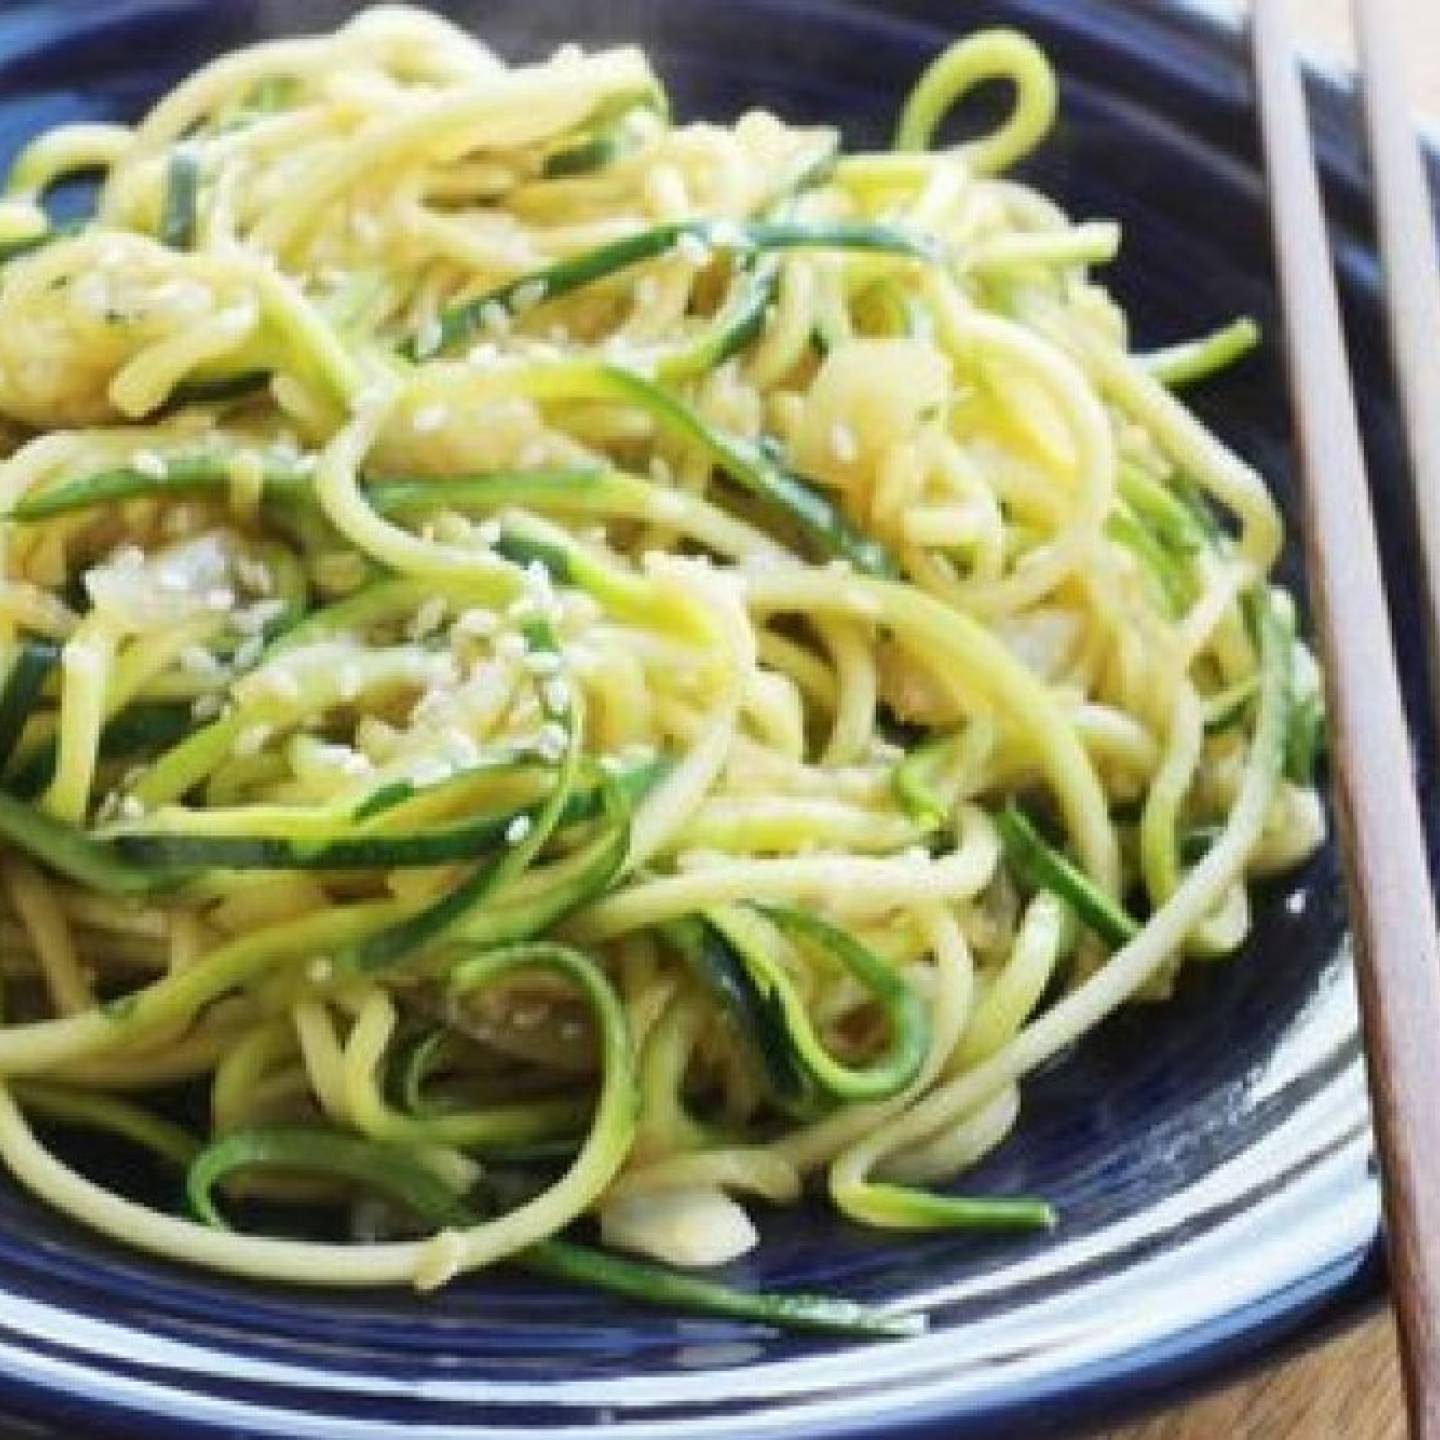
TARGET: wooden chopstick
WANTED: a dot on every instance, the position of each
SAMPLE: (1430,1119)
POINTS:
(1412,274)
(1392,909)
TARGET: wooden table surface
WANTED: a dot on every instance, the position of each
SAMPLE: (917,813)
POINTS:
(1348,1389)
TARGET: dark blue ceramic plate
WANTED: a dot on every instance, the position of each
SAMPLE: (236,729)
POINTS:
(1210,1158)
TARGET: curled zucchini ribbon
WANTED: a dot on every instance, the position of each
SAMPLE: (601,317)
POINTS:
(734,956)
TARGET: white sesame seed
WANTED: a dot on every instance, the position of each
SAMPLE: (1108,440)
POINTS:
(206,707)
(523,607)
(91,292)
(282,684)
(495,318)
(130,807)
(542,662)
(511,646)
(429,418)
(555,692)
(517,830)
(861,602)
(532,455)
(430,770)
(647,291)
(551,741)
(254,575)
(220,598)
(482,356)
(429,338)
(527,295)
(477,622)
(842,443)
(692,248)
(197,660)
(252,740)
(427,619)
(247,652)
(460,748)
(660,471)
(348,683)
(319,970)
(149,464)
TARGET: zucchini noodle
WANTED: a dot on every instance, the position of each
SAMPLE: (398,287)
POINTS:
(562,667)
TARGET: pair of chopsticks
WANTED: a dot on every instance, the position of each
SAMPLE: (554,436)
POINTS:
(1391,904)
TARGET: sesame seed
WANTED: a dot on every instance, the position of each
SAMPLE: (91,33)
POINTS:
(495,318)
(282,684)
(523,607)
(429,770)
(254,618)
(149,464)
(861,602)
(692,248)
(660,471)
(248,651)
(197,660)
(429,338)
(527,295)
(428,618)
(542,662)
(477,622)
(517,830)
(348,683)
(511,646)
(647,291)
(727,235)
(319,970)
(220,598)
(206,707)
(555,692)
(254,575)
(482,356)
(843,445)
(130,807)
(429,418)
(532,455)
(91,292)
(252,740)
(461,749)
(551,741)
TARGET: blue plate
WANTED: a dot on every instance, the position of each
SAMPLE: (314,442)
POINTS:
(1210,1158)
